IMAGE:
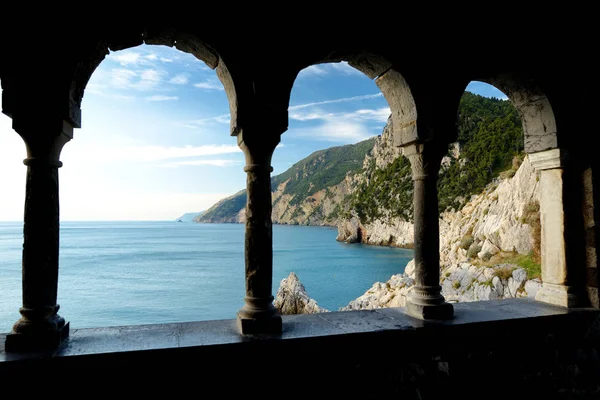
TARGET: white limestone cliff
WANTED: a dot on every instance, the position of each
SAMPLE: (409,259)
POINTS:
(292,298)
(499,221)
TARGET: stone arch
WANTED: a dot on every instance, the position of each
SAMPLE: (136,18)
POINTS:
(393,86)
(533,106)
(183,41)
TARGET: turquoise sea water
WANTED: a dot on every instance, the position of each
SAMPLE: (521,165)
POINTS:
(130,273)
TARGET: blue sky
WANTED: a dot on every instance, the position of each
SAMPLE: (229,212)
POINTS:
(155,142)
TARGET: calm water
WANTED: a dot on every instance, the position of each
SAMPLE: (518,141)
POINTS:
(129,273)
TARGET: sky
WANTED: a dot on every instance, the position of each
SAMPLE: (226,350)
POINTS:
(155,141)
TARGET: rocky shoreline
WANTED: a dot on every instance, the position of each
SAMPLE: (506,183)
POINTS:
(462,282)
(478,248)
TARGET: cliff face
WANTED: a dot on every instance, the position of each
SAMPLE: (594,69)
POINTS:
(481,247)
(502,218)
(311,192)
(394,231)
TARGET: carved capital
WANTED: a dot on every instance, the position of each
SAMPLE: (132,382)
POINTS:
(425,159)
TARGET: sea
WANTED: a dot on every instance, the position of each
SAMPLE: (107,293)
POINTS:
(145,272)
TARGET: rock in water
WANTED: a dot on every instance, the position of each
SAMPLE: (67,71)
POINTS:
(292,298)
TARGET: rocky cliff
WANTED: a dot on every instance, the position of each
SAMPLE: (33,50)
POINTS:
(365,189)
(311,192)
(488,250)
(292,298)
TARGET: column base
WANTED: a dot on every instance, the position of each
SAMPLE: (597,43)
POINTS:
(260,326)
(43,341)
(440,311)
(259,317)
(559,295)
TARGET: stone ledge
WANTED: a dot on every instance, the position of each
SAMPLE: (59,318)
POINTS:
(144,338)
(508,346)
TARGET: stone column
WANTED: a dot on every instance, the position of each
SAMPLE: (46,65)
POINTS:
(425,300)
(40,327)
(561,284)
(258,315)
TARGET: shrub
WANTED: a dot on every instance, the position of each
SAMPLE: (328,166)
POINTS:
(456,284)
(486,256)
(531,216)
(473,250)
(466,242)
(504,272)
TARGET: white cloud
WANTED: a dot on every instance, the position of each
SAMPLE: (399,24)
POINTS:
(299,116)
(179,79)
(339,68)
(122,78)
(336,130)
(125,57)
(167,60)
(153,153)
(132,58)
(159,97)
(379,115)
(222,119)
(149,78)
(314,70)
(344,68)
(215,163)
(342,100)
(209,85)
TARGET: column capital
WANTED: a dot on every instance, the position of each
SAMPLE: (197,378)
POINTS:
(549,159)
(425,158)
(258,149)
(44,142)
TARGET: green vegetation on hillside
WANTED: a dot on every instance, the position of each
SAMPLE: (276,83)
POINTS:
(490,135)
(224,209)
(322,169)
(386,194)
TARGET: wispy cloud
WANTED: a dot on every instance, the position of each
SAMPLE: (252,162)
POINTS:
(214,163)
(162,153)
(132,58)
(335,130)
(196,123)
(319,70)
(126,57)
(179,79)
(159,97)
(122,78)
(342,100)
(314,70)
(209,85)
